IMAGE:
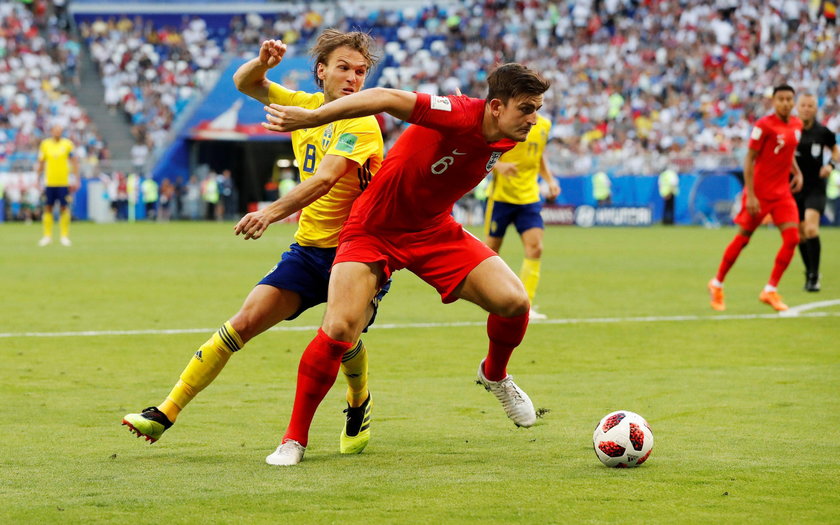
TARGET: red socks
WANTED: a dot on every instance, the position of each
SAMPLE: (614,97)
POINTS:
(731,255)
(317,371)
(790,239)
(505,334)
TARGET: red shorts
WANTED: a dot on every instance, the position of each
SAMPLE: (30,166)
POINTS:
(442,256)
(782,210)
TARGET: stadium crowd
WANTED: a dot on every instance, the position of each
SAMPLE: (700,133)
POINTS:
(37,65)
(632,79)
(635,82)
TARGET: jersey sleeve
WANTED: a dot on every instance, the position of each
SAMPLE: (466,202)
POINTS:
(357,139)
(830,138)
(277,94)
(758,136)
(442,113)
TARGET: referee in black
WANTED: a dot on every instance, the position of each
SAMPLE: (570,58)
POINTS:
(816,155)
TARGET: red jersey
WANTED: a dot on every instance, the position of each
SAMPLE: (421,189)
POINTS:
(434,163)
(775,141)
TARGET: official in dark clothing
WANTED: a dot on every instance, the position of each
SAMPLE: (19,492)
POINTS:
(816,155)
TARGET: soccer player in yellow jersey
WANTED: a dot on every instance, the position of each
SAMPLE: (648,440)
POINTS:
(514,197)
(56,159)
(336,162)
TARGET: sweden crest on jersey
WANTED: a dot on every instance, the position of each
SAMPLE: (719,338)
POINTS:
(326,138)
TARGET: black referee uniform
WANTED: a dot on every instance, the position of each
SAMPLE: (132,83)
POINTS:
(814,151)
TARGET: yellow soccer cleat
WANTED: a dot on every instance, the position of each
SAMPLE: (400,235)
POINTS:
(356,433)
(150,423)
(773,299)
(716,295)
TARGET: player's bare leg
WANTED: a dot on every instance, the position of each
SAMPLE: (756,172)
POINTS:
(494,243)
(532,243)
(352,287)
(730,255)
(493,286)
(790,239)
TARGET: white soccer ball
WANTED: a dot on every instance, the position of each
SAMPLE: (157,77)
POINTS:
(623,439)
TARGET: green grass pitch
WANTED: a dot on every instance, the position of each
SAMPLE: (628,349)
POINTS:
(744,406)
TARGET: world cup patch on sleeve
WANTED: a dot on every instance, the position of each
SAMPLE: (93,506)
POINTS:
(346,142)
(441,103)
(756,133)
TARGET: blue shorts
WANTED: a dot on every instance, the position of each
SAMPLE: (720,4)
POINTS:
(57,193)
(523,216)
(305,270)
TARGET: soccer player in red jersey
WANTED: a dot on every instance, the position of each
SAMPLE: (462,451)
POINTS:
(404,220)
(767,190)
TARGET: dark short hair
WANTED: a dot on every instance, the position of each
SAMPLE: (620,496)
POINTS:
(332,39)
(783,87)
(514,80)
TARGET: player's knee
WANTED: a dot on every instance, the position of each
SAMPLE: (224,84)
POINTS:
(515,305)
(810,231)
(790,236)
(533,251)
(340,329)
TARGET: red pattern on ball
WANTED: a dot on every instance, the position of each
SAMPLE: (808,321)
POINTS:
(611,448)
(637,437)
(612,421)
(644,458)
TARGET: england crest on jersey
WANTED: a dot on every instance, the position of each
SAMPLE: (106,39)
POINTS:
(326,138)
(492,162)
(798,134)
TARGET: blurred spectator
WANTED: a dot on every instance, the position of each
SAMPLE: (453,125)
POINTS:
(210,195)
(227,193)
(287,183)
(151,193)
(669,188)
(602,188)
(832,193)
(192,199)
(166,205)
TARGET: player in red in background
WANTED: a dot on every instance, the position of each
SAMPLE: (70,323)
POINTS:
(767,190)
(404,220)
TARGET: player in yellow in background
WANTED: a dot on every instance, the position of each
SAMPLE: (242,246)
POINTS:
(514,197)
(336,162)
(57,162)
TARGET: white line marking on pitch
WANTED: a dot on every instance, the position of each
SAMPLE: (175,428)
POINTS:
(593,320)
(797,310)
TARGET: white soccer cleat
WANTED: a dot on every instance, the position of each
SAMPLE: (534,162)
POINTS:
(290,452)
(65,241)
(534,315)
(44,241)
(514,400)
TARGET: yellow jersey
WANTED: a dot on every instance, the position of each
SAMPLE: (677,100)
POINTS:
(56,157)
(357,139)
(523,187)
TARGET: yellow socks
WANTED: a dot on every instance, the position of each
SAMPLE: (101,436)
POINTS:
(64,223)
(354,365)
(530,276)
(202,369)
(47,219)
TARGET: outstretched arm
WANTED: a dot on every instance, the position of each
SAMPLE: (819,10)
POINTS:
(396,102)
(330,170)
(250,77)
